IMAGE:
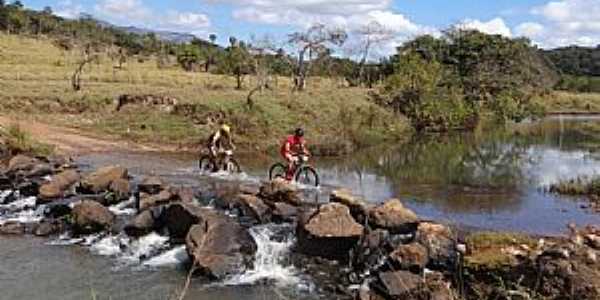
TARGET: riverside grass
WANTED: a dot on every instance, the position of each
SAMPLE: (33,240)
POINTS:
(35,79)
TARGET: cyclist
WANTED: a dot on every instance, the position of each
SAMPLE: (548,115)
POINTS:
(293,146)
(218,144)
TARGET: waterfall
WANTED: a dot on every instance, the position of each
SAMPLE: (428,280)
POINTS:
(271,261)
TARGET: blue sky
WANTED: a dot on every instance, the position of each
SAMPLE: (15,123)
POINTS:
(547,23)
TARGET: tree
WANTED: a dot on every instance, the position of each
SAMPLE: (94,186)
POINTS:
(370,36)
(188,57)
(236,61)
(314,41)
(88,57)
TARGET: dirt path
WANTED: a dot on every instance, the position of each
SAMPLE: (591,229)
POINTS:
(71,141)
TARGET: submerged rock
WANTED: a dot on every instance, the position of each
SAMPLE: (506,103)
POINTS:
(162,198)
(330,232)
(220,247)
(393,216)
(12,228)
(58,185)
(90,217)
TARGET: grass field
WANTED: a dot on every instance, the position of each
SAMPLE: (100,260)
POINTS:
(35,80)
(568,102)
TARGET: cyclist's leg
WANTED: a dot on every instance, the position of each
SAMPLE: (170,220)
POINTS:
(214,158)
(290,166)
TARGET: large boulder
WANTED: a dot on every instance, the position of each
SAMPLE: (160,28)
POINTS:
(440,243)
(142,224)
(121,189)
(180,217)
(330,232)
(58,185)
(400,285)
(412,256)
(358,207)
(165,196)
(21,163)
(91,216)
(279,190)
(220,247)
(100,180)
(393,216)
(283,212)
(255,208)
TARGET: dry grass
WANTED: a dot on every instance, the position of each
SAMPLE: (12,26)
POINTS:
(572,102)
(35,79)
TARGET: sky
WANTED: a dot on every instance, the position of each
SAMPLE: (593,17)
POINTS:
(548,24)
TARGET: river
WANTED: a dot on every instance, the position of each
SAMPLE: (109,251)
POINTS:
(492,179)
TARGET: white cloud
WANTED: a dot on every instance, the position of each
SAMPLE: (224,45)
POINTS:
(124,10)
(530,30)
(493,26)
(186,20)
(566,22)
(68,9)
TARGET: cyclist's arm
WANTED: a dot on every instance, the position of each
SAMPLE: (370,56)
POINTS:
(305,148)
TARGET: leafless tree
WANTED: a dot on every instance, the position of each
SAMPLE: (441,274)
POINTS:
(370,35)
(313,41)
(88,57)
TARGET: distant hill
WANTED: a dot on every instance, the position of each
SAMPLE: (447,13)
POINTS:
(576,60)
(169,36)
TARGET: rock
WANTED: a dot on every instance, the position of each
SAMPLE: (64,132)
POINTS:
(12,228)
(142,224)
(358,207)
(40,170)
(5,182)
(121,189)
(180,217)
(440,244)
(163,197)
(58,209)
(21,163)
(100,180)
(91,217)
(185,194)
(220,247)
(56,188)
(280,191)
(151,185)
(400,284)
(253,207)
(28,188)
(412,257)
(48,228)
(283,212)
(331,232)
(593,241)
(393,216)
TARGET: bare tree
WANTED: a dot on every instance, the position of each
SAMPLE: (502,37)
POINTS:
(370,35)
(88,57)
(260,49)
(314,41)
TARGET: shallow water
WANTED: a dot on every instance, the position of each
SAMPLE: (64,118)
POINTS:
(493,179)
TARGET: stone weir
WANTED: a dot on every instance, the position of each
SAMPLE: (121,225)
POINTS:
(352,248)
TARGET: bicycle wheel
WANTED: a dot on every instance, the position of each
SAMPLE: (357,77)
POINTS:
(307,175)
(233,166)
(205,164)
(277,170)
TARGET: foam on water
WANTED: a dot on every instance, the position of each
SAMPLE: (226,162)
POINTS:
(124,208)
(5,194)
(20,204)
(269,262)
(173,257)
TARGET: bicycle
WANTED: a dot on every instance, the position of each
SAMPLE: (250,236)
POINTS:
(206,163)
(303,172)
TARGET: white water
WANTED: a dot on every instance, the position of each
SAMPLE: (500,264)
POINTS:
(173,257)
(269,262)
(124,208)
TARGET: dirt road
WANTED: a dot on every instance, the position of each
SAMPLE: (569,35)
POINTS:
(71,141)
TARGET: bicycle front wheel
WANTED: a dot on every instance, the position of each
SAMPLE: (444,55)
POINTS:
(205,164)
(232,166)
(307,175)
(277,170)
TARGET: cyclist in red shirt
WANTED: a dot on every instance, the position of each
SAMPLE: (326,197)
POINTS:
(293,146)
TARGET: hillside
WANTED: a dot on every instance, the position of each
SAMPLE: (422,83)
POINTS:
(36,81)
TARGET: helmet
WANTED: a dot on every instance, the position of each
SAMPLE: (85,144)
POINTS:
(225,128)
(299,132)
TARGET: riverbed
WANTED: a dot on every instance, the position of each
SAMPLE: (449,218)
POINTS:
(495,179)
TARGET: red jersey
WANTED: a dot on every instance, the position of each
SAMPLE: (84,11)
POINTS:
(295,143)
